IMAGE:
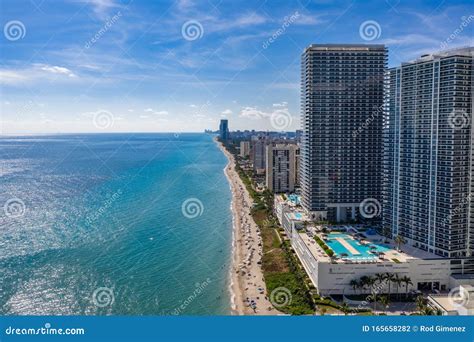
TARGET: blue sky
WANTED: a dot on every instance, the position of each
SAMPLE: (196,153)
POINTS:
(123,65)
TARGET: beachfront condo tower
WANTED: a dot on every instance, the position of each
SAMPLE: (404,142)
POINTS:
(258,145)
(224,130)
(244,149)
(428,158)
(342,89)
(281,167)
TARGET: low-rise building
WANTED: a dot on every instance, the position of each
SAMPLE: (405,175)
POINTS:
(358,252)
(460,301)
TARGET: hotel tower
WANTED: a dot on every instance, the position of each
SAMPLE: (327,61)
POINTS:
(428,153)
(342,97)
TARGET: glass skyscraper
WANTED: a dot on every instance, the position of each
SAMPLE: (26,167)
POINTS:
(224,129)
(342,97)
(428,153)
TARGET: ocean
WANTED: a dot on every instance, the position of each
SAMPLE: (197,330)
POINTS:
(114,224)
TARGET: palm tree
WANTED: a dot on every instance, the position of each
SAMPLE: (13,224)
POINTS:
(364,281)
(345,308)
(373,291)
(427,311)
(399,240)
(385,301)
(420,303)
(380,278)
(397,280)
(354,283)
(390,278)
(407,282)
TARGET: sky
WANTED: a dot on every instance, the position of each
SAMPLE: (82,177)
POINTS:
(181,66)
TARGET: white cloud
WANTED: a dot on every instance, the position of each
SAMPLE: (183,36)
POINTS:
(305,19)
(34,73)
(281,104)
(12,77)
(154,112)
(410,39)
(252,113)
(227,112)
(58,70)
(100,7)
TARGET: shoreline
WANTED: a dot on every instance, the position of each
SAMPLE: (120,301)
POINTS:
(246,276)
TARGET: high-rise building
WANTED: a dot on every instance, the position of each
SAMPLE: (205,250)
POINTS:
(342,88)
(257,153)
(428,153)
(224,129)
(297,166)
(280,167)
(244,149)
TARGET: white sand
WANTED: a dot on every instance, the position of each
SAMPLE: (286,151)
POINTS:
(247,275)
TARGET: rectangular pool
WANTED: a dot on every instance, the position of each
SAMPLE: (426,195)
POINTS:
(342,243)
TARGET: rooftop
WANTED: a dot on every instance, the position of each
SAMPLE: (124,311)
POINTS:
(351,247)
(345,47)
(464,51)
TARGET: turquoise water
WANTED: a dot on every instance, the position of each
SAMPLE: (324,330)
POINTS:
(294,199)
(105,211)
(364,251)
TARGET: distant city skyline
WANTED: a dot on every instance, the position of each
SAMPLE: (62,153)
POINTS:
(181,66)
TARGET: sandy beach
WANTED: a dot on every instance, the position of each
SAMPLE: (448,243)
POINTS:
(248,286)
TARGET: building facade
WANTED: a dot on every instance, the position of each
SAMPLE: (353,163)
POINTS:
(281,167)
(342,89)
(244,149)
(428,153)
(258,153)
(224,130)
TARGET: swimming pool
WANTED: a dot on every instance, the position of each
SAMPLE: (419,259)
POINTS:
(342,243)
(295,199)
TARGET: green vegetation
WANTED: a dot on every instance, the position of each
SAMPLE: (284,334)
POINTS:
(280,266)
(381,283)
(424,309)
(323,245)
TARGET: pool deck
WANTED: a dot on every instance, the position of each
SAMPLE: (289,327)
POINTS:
(347,246)
(407,253)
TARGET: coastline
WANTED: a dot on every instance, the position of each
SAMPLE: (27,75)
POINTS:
(246,279)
